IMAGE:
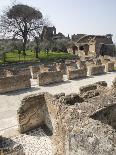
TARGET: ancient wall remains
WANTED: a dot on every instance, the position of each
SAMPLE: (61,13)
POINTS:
(35,70)
(106,115)
(75,74)
(46,78)
(31,112)
(70,121)
(61,67)
(109,67)
(95,70)
(13,83)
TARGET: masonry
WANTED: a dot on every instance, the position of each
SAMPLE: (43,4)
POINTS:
(13,83)
(49,78)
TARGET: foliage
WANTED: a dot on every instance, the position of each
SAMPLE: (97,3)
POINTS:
(30,56)
(21,21)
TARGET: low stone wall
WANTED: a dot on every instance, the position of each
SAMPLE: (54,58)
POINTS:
(86,88)
(95,70)
(46,78)
(109,67)
(75,74)
(8,72)
(13,83)
(31,112)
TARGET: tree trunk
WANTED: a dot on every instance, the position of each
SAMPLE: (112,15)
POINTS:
(24,45)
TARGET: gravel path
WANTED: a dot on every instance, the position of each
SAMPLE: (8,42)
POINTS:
(35,142)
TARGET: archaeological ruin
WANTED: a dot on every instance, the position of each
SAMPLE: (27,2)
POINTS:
(45,120)
(93,44)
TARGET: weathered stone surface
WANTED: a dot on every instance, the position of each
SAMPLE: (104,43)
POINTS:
(61,67)
(101,83)
(109,67)
(91,137)
(69,120)
(114,82)
(86,88)
(71,99)
(106,115)
(49,78)
(95,70)
(75,74)
(31,112)
(13,83)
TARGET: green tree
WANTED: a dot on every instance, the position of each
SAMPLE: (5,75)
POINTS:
(21,21)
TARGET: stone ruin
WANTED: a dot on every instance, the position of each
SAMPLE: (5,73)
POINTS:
(12,79)
(46,78)
(14,83)
(81,123)
(76,74)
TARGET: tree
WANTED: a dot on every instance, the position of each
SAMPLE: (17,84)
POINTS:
(21,21)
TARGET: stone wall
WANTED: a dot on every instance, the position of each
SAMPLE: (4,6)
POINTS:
(90,87)
(109,67)
(69,120)
(61,67)
(35,70)
(46,78)
(31,112)
(95,70)
(75,74)
(14,71)
(107,115)
(13,83)
(42,110)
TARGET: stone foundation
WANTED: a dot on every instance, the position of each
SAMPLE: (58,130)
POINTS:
(96,70)
(75,74)
(109,67)
(13,83)
(106,116)
(31,112)
(49,78)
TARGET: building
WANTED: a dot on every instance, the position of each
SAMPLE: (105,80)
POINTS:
(93,44)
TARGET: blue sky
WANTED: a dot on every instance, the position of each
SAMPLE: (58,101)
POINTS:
(76,16)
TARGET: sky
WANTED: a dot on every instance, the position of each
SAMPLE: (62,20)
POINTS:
(76,16)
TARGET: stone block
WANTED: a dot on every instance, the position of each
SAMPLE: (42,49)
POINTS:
(75,74)
(46,78)
(87,88)
(96,70)
(13,83)
(109,67)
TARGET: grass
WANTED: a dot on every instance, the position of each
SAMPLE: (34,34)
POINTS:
(30,56)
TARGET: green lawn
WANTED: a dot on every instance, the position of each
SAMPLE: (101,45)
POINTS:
(30,56)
